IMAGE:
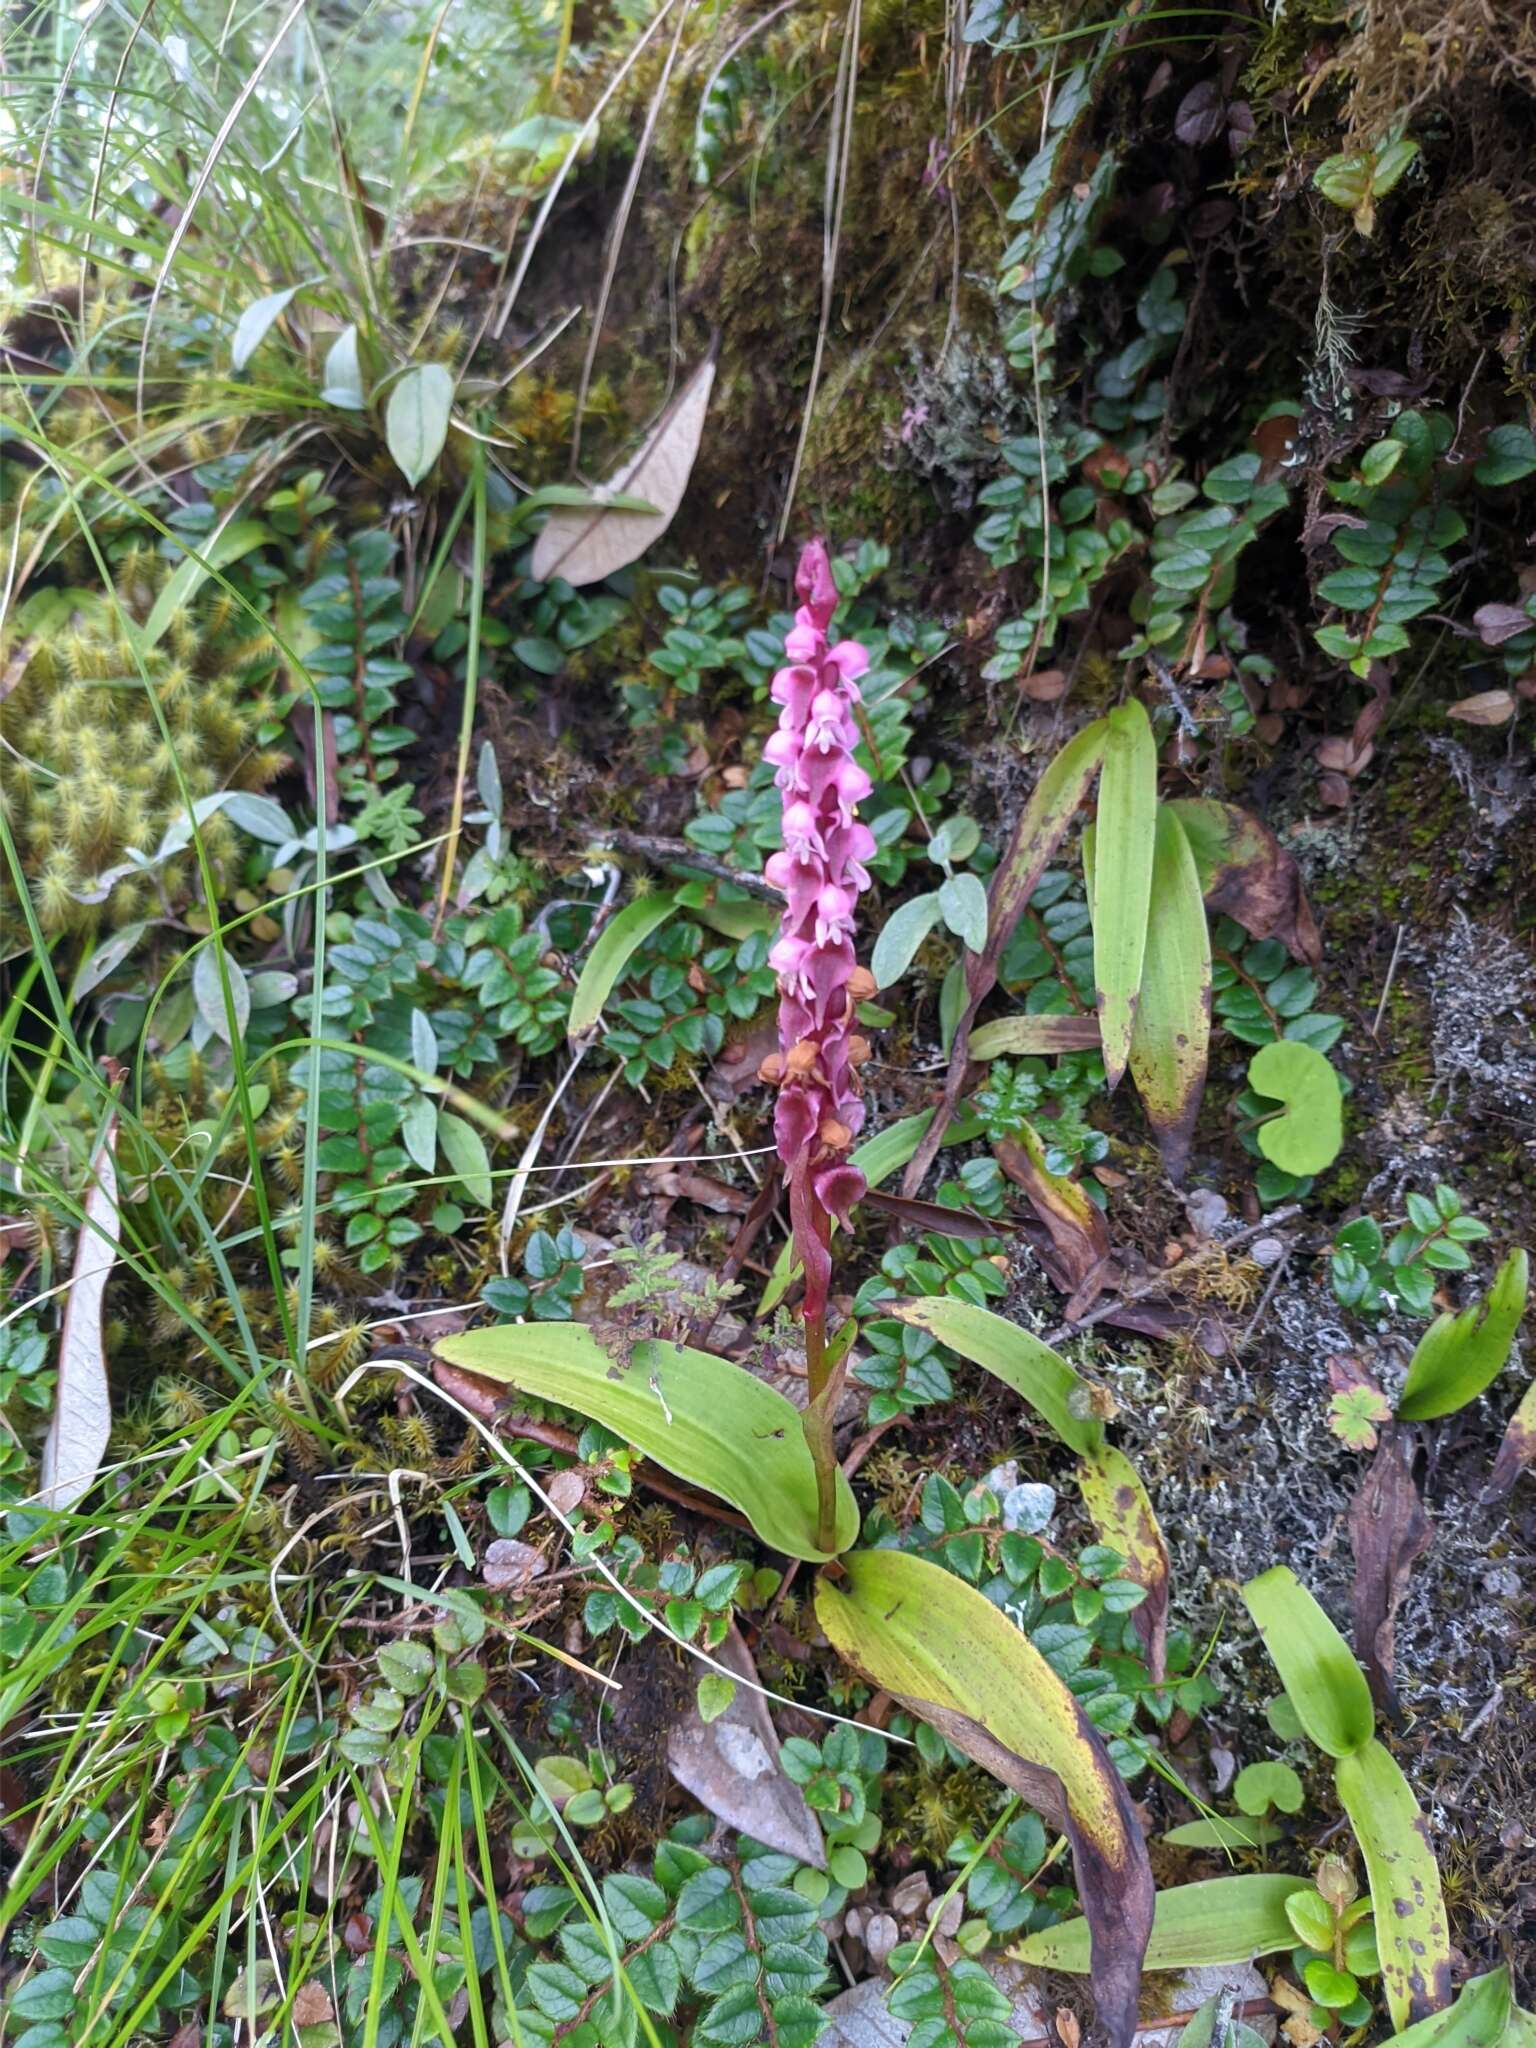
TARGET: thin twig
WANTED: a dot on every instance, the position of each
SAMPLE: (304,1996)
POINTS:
(1386,987)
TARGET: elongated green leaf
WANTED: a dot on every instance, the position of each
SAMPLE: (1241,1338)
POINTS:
(1123,1517)
(1483,2016)
(1170,1044)
(1225,1831)
(256,322)
(1459,1355)
(416,418)
(464,1149)
(616,945)
(1412,1931)
(954,1659)
(1322,1680)
(188,577)
(1052,805)
(1223,1920)
(877,1159)
(698,1416)
(1122,893)
(1016,1036)
(1059,1396)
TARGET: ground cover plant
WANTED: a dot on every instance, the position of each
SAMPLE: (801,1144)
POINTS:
(766,997)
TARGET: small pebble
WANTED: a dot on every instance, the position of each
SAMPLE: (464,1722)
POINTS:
(1267,1252)
(1206,1210)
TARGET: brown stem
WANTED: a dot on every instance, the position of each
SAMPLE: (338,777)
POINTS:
(825,1385)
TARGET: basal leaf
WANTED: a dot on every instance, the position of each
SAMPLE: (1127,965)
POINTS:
(1015,1036)
(1412,1932)
(1483,2016)
(698,1416)
(616,945)
(1170,1044)
(1122,891)
(464,1149)
(228,545)
(1194,1926)
(1039,1375)
(82,1410)
(1459,1355)
(955,1660)
(257,321)
(1322,1680)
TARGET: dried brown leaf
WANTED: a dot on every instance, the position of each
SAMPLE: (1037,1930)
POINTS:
(583,545)
(82,1414)
(1390,1532)
(1488,707)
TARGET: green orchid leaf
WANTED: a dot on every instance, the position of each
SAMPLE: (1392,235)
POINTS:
(1121,896)
(1483,2016)
(1322,1680)
(1459,1355)
(1170,1045)
(1308,1136)
(695,1415)
(1036,1373)
(1011,1037)
(1412,1932)
(957,1662)
(1223,1920)
(615,946)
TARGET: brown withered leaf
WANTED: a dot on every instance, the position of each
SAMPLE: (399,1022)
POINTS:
(1245,873)
(312,2005)
(1202,114)
(1078,1234)
(1497,623)
(1488,707)
(582,543)
(508,1564)
(1390,1532)
(731,1766)
(919,1215)
(1517,1450)
(82,1411)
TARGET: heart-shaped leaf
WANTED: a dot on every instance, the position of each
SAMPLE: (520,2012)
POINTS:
(1307,1137)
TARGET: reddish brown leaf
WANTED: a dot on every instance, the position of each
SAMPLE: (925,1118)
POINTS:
(1078,1233)
(1517,1450)
(1390,1532)
(918,1215)
(1245,873)
(1497,623)
(1202,114)
(1488,707)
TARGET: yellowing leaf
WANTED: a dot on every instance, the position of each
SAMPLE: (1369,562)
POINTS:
(1170,1044)
(1123,1517)
(584,546)
(1412,1932)
(617,944)
(698,1416)
(954,1659)
(1026,1035)
(1194,1926)
(1122,891)
(1459,1355)
(82,1410)
(1322,1680)
(1060,1396)
(1483,2016)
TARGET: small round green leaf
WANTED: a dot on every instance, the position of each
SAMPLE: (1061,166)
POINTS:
(1307,1136)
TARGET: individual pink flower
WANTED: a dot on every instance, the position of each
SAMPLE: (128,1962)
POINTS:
(822,873)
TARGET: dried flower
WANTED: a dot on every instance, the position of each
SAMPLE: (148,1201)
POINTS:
(822,874)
